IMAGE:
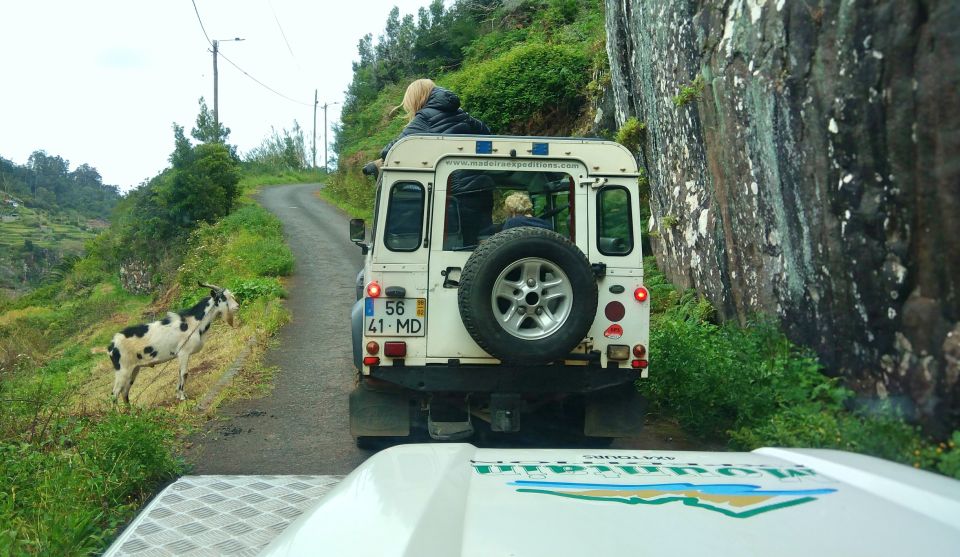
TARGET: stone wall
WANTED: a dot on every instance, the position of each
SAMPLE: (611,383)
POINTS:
(136,276)
(815,179)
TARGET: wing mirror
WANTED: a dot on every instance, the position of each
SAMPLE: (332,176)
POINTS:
(358,233)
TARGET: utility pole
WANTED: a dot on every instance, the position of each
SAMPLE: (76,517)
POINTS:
(315,101)
(216,93)
(216,96)
(325,105)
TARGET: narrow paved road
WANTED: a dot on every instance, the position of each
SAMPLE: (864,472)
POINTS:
(302,427)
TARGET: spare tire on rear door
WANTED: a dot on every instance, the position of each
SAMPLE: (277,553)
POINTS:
(527,296)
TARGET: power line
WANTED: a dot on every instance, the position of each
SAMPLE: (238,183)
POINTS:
(241,70)
(202,28)
(262,84)
(284,35)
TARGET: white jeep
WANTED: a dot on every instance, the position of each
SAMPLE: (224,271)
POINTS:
(459,316)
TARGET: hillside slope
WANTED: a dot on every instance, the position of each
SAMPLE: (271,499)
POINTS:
(531,67)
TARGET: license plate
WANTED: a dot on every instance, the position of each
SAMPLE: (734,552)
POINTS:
(395,317)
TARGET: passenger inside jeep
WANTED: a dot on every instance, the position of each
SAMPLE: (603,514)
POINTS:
(520,209)
(477,206)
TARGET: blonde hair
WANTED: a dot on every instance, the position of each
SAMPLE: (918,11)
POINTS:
(416,96)
(518,203)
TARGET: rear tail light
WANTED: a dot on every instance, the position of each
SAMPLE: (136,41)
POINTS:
(373,289)
(641,294)
(395,349)
(638,364)
(618,352)
(371,361)
(614,311)
(639,350)
(373,348)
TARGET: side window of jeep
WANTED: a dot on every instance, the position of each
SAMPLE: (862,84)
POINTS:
(403,229)
(614,223)
(480,203)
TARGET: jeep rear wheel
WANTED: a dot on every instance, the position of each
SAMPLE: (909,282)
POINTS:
(528,296)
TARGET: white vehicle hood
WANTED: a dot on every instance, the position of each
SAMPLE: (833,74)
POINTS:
(455,499)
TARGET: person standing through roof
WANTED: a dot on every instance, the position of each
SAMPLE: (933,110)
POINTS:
(433,109)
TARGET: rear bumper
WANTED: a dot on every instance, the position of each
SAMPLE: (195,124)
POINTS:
(504,378)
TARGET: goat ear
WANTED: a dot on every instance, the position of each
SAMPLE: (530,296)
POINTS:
(214,294)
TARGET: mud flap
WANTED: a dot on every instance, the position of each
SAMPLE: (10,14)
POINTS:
(615,413)
(378,414)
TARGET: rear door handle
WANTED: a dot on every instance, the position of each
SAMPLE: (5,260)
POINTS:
(448,282)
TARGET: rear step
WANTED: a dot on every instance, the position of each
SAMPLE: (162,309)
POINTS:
(449,421)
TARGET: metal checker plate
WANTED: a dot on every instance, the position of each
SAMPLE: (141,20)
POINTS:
(219,515)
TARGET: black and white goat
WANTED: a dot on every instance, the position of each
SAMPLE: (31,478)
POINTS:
(178,335)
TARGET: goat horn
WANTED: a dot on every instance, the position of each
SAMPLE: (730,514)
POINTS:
(210,286)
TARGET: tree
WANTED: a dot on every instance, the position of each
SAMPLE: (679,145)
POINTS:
(205,188)
(206,130)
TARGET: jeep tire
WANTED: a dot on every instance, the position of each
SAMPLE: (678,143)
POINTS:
(527,296)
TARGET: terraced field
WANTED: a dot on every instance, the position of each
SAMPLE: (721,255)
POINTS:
(44,231)
(22,267)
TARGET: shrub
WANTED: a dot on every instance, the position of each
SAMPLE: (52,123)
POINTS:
(753,387)
(631,134)
(950,461)
(245,245)
(352,191)
(528,84)
(248,290)
(885,435)
(690,92)
(714,378)
(204,188)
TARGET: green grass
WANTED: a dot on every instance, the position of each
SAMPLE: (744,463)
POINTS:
(255,178)
(71,473)
(67,494)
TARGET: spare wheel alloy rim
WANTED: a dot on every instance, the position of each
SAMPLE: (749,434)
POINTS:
(532,298)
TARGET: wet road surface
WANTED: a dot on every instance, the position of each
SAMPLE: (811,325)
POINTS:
(302,426)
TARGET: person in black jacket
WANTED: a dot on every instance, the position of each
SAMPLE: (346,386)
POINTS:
(433,109)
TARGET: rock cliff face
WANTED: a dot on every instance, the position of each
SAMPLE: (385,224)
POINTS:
(816,176)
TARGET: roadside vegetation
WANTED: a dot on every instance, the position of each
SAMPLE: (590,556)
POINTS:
(74,468)
(531,67)
(522,67)
(751,387)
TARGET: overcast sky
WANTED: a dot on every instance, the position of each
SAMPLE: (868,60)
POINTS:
(102,81)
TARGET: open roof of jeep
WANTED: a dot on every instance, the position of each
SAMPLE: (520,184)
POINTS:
(424,151)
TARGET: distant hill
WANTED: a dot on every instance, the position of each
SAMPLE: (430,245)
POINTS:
(47,212)
(46,182)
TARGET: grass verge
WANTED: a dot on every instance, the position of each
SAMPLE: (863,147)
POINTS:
(72,469)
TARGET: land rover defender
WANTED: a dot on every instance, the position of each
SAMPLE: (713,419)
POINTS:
(462,316)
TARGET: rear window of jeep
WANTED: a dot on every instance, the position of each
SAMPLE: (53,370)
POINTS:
(480,203)
(614,223)
(404,226)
